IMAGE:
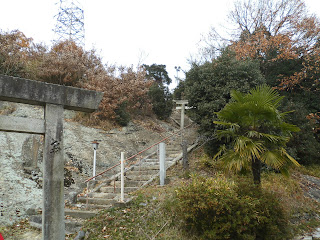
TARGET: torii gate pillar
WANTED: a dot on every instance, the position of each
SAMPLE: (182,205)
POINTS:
(54,98)
(183,104)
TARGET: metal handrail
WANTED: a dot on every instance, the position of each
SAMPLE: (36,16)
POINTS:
(133,156)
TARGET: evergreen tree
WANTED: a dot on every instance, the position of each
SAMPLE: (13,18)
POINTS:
(207,87)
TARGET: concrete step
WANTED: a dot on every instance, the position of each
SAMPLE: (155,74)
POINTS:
(83,214)
(174,155)
(107,196)
(137,172)
(153,165)
(156,161)
(150,163)
(88,207)
(98,201)
(139,178)
(71,225)
(111,189)
(127,183)
(150,160)
(146,167)
(174,145)
(168,151)
(102,195)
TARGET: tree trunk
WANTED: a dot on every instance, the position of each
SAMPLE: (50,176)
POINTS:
(256,171)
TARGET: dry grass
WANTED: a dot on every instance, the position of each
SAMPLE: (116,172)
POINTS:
(151,214)
(89,120)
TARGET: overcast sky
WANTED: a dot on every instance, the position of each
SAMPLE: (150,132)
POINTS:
(126,31)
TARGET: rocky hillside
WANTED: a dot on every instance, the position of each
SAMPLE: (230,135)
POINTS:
(21,157)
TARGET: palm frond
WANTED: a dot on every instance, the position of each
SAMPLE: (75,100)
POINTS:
(254,149)
(270,137)
(254,134)
(232,161)
(291,159)
(273,159)
(237,96)
(287,127)
(278,158)
(266,96)
(246,148)
(284,114)
(240,143)
(230,113)
(221,151)
(227,124)
(228,134)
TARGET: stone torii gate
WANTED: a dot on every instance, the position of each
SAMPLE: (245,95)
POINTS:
(183,106)
(55,98)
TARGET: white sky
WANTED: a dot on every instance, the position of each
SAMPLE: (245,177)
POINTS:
(162,32)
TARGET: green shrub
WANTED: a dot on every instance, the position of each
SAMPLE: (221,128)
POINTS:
(207,87)
(122,116)
(215,208)
(273,220)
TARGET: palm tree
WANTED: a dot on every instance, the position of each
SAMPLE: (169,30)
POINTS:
(255,131)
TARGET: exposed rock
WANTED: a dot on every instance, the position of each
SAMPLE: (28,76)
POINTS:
(311,186)
(17,192)
(72,198)
(21,158)
(81,235)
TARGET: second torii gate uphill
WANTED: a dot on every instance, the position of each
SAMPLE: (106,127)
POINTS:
(54,98)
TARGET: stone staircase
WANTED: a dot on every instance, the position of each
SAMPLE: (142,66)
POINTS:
(106,193)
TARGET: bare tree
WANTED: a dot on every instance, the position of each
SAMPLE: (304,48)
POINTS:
(276,17)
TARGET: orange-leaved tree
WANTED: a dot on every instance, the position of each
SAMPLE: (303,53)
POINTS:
(277,32)
(15,49)
(125,91)
(66,63)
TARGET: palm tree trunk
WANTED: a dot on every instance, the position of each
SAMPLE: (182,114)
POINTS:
(256,171)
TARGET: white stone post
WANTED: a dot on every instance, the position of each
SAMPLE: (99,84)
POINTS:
(162,159)
(95,145)
(94,162)
(122,178)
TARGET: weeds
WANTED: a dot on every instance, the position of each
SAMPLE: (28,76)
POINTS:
(312,170)
(206,203)
(212,205)
(145,218)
